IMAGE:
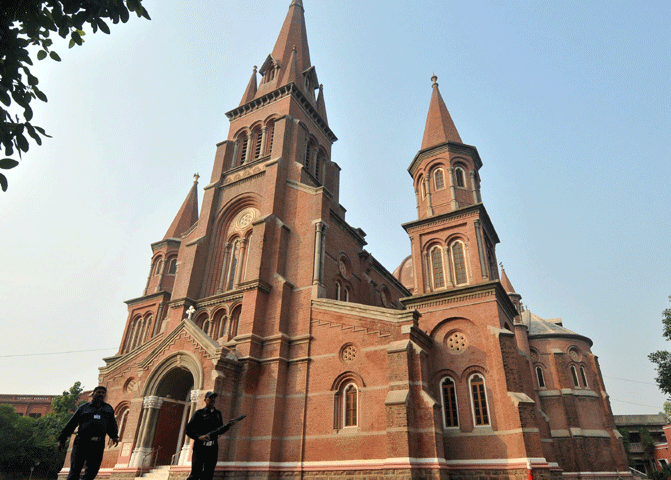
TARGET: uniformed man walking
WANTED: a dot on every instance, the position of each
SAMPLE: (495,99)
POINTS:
(95,420)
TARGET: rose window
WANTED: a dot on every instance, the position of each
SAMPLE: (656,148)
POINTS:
(457,342)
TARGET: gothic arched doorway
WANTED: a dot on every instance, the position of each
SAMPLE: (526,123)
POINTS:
(168,400)
(175,390)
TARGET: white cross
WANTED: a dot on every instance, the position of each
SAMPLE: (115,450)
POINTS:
(190,312)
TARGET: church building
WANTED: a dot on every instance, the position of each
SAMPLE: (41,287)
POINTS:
(268,297)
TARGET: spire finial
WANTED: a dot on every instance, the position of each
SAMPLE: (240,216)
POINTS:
(196,176)
(321,86)
(501,265)
(254,68)
(293,49)
(433,79)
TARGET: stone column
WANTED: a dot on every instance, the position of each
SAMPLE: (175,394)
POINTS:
(427,272)
(419,202)
(429,207)
(453,194)
(448,267)
(481,251)
(248,151)
(184,457)
(241,257)
(161,269)
(319,238)
(141,456)
(222,278)
(474,188)
(236,147)
(264,131)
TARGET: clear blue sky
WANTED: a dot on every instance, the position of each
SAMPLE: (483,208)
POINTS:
(567,102)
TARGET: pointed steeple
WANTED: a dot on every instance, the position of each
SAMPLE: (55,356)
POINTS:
(321,106)
(506,282)
(187,215)
(250,92)
(293,33)
(439,125)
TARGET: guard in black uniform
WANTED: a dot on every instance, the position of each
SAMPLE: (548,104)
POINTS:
(95,420)
(205,426)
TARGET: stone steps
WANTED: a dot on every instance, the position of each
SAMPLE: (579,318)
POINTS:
(162,472)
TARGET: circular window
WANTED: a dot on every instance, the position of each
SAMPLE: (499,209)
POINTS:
(574,354)
(244,219)
(348,353)
(344,266)
(457,342)
(534,356)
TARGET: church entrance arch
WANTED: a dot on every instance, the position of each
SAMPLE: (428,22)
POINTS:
(169,400)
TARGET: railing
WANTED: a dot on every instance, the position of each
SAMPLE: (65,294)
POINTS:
(152,464)
(638,473)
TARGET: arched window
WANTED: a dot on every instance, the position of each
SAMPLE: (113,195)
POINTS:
(244,144)
(583,375)
(257,136)
(218,325)
(422,187)
(346,293)
(449,397)
(574,376)
(479,400)
(439,178)
(540,377)
(338,290)
(318,164)
(437,267)
(308,153)
(270,73)
(157,265)
(459,263)
(459,177)
(172,269)
(235,320)
(233,264)
(122,420)
(350,405)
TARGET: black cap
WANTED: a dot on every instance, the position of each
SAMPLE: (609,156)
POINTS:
(211,395)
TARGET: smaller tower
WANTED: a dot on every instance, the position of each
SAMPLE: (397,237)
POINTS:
(145,314)
(453,239)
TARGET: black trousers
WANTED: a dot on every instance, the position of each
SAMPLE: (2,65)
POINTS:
(203,461)
(84,450)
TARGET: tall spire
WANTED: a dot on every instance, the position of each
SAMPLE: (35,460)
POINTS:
(250,92)
(187,215)
(293,33)
(439,125)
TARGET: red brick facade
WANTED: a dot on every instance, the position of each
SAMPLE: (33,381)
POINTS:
(343,369)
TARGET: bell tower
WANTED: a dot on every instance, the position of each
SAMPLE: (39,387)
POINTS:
(453,239)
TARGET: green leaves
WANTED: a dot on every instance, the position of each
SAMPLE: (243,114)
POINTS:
(31,26)
(7,163)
